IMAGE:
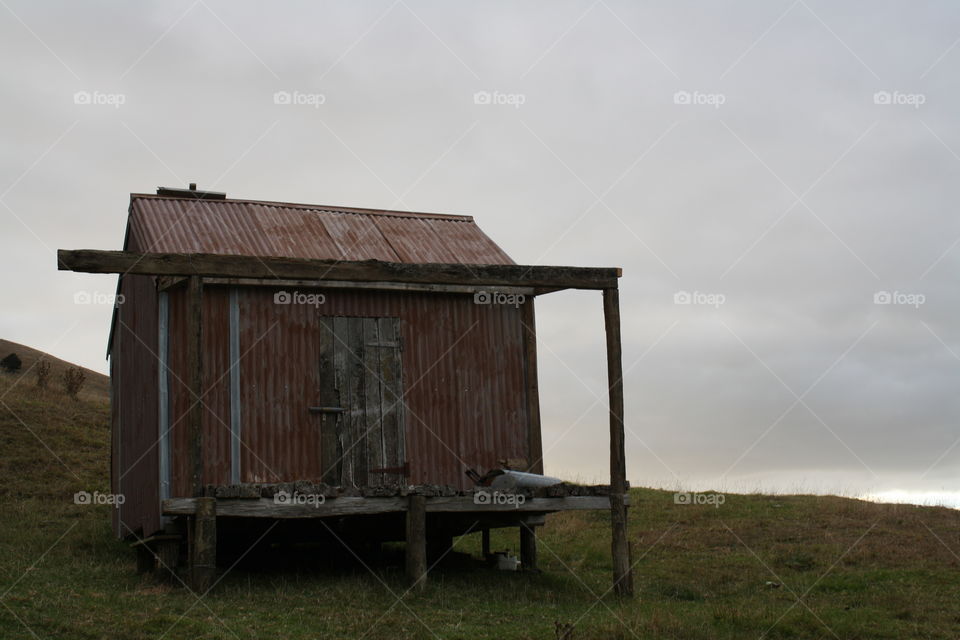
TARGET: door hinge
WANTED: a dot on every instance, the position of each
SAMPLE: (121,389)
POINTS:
(402,470)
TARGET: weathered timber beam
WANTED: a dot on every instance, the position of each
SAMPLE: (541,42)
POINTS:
(165,283)
(528,548)
(346,506)
(195,381)
(534,436)
(416,547)
(546,505)
(235,266)
(619,543)
(203,545)
(382,286)
(268,508)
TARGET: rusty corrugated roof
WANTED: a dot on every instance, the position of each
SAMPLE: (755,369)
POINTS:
(164,224)
(278,229)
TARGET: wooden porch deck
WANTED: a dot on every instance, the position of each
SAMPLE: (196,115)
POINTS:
(310,500)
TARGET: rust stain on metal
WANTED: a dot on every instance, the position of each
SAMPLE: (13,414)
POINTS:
(301,231)
(465,403)
(462,364)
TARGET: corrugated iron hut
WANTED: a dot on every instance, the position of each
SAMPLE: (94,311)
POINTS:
(286,361)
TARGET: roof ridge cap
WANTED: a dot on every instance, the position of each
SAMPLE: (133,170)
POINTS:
(321,207)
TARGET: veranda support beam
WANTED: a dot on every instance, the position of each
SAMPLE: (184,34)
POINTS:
(619,545)
(416,548)
(528,292)
(236,266)
(528,547)
(351,506)
(203,545)
(534,437)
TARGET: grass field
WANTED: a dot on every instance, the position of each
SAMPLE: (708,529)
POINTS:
(755,566)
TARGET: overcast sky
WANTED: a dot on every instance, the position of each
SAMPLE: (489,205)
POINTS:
(785,167)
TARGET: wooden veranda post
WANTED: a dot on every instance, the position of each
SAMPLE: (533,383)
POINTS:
(528,547)
(534,437)
(203,546)
(203,542)
(620,548)
(195,380)
(417,542)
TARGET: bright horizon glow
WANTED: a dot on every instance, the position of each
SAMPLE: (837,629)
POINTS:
(949,499)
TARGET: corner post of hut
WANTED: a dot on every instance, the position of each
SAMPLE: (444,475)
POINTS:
(203,529)
(620,547)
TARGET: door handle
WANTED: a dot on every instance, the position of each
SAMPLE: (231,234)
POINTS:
(327,410)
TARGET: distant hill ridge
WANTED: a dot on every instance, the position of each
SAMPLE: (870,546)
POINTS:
(96,386)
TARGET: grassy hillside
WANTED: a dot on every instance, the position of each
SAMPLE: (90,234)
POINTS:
(96,386)
(756,566)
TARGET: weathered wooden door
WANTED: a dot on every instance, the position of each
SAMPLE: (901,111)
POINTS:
(361,402)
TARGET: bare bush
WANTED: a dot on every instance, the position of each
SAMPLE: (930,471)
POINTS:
(42,370)
(73,379)
(11,364)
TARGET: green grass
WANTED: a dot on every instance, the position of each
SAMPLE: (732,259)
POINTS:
(757,566)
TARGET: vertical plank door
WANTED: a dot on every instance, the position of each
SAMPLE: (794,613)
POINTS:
(362,426)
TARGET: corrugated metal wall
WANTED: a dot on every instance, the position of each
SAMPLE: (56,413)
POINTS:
(216,389)
(463,367)
(279,379)
(134,370)
(462,373)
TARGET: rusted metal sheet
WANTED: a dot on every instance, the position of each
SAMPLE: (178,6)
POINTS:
(462,370)
(461,364)
(134,368)
(465,399)
(276,229)
(279,374)
(215,399)
(357,237)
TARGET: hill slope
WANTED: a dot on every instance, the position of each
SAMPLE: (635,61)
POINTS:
(96,387)
(754,566)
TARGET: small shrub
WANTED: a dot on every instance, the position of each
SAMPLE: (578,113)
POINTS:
(799,562)
(73,379)
(43,374)
(11,364)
